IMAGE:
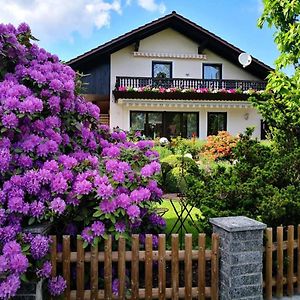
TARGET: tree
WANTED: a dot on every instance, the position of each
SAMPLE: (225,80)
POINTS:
(281,110)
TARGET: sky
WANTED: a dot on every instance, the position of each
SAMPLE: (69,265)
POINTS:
(69,28)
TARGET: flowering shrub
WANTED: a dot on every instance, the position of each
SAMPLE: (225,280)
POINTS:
(58,165)
(220,146)
(148,88)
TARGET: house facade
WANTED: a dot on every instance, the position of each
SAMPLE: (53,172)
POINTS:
(172,77)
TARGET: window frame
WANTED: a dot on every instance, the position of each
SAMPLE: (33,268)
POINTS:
(219,113)
(213,65)
(163,62)
(164,129)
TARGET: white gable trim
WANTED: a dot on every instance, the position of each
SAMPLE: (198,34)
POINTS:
(169,55)
(184,103)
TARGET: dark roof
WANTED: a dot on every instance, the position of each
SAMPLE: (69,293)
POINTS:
(185,27)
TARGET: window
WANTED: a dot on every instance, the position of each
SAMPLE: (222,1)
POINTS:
(149,124)
(161,69)
(216,121)
(212,71)
(167,124)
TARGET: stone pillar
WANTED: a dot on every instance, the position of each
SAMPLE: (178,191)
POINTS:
(241,257)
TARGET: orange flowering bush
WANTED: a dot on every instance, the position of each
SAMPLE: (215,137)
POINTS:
(220,146)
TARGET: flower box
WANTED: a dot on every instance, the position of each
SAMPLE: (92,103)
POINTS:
(180,95)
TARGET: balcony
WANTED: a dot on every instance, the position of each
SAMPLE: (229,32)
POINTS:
(186,88)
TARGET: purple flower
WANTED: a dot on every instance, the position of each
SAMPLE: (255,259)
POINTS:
(123,200)
(45,270)
(98,228)
(32,180)
(124,166)
(119,177)
(140,194)
(5,158)
(23,28)
(83,187)
(59,184)
(56,85)
(111,165)
(58,205)
(16,204)
(120,226)
(10,120)
(18,263)
(111,152)
(57,285)
(87,234)
(105,191)
(25,161)
(37,208)
(147,171)
(54,104)
(9,287)
(3,264)
(67,161)
(39,246)
(157,220)
(115,287)
(133,211)
(155,167)
(107,206)
(51,165)
(31,105)
(52,122)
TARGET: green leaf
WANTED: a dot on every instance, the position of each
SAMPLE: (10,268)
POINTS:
(31,221)
(85,244)
(24,278)
(25,248)
(97,214)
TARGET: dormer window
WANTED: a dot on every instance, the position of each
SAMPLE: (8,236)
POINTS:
(162,69)
(212,71)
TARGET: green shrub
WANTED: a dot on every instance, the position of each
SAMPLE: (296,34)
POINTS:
(181,146)
(174,172)
(163,151)
(263,184)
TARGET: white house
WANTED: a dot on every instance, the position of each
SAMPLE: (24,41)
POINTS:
(172,77)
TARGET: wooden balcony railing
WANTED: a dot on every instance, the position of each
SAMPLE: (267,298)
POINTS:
(189,83)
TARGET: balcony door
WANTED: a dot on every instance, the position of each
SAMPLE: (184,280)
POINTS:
(162,69)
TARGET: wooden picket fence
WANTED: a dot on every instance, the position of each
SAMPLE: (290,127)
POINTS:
(282,262)
(153,274)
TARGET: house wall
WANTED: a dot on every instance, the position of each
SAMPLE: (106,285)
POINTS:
(123,63)
(236,122)
(97,78)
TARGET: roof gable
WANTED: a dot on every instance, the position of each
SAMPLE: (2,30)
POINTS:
(203,37)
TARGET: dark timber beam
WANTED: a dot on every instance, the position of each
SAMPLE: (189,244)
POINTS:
(137,46)
(202,46)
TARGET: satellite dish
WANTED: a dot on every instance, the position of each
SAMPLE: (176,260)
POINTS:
(245,59)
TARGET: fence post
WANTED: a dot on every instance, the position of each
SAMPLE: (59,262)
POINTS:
(241,254)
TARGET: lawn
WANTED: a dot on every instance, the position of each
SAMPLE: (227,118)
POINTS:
(171,217)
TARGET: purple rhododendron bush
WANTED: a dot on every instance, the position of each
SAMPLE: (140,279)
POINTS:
(58,165)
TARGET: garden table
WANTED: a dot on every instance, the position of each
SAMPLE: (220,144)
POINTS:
(183,213)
